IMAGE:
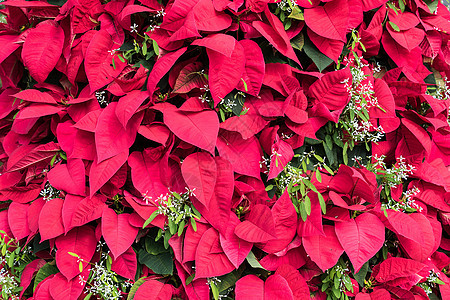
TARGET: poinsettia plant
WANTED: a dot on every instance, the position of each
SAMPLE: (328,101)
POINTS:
(224,149)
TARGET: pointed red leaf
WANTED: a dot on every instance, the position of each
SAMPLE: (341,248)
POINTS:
(235,248)
(100,173)
(210,262)
(98,61)
(361,238)
(254,68)
(276,35)
(128,105)
(208,19)
(395,267)
(199,129)
(32,95)
(81,241)
(161,67)
(276,287)
(61,288)
(69,177)
(331,89)
(244,155)
(285,218)
(42,49)
(323,250)
(330,20)
(259,226)
(50,219)
(154,290)
(219,42)
(18,220)
(200,174)
(119,235)
(296,281)
(250,287)
(126,264)
(190,77)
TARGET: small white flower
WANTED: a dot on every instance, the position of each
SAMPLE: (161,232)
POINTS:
(134,28)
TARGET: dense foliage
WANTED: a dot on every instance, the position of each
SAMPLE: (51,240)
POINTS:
(225,149)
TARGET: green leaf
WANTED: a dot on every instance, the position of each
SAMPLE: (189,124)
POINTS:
(47,270)
(227,281)
(151,218)
(88,296)
(318,176)
(316,56)
(214,291)
(189,279)
(135,287)
(322,203)
(80,266)
(156,48)
(361,275)
(308,205)
(160,264)
(296,14)
(181,227)
(73,254)
(253,262)
(193,224)
(394,26)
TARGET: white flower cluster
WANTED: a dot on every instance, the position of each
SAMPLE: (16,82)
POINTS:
(175,206)
(284,5)
(362,98)
(103,282)
(49,192)
(101,98)
(9,285)
(395,175)
(432,280)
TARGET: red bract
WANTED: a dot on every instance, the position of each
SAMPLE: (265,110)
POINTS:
(240,149)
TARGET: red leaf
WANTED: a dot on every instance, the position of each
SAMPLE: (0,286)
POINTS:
(87,210)
(69,177)
(225,72)
(154,290)
(200,174)
(32,95)
(361,238)
(402,224)
(408,39)
(403,20)
(296,282)
(199,129)
(61,288)
(323,250)
(98,61)
(420,251)
(208,19)
(126,264)
(38,110)
(276,287)
(276,35)
(161,67)
(42,49)
(81,241)
(100,173)
(253,75)
(190,77)
(128,105)
(329,47)
(209,261)
(259,226)
(219,42)
(396,267)
(191,240)
(146,176)
(282,154)
(18,220)
(249,287)
(331,90)
(50,219)
(9,46)
(235,248)
(330,20)
(247,125)
(244,155)
(119,235)
(111,138)
(285,218)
